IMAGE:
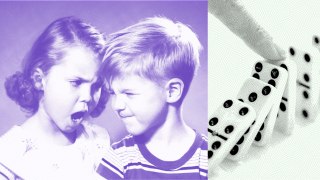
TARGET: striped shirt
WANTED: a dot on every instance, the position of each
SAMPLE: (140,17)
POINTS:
(110,167)
(139,163)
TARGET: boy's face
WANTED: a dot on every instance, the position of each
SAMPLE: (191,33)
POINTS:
(67,88)
(139,102)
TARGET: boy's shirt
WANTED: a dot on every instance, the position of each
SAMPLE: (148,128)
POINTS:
(110,167)
(139,163)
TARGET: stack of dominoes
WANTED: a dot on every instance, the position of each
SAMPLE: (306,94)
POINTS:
(277,92)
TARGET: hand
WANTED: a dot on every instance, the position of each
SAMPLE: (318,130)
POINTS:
(239,21)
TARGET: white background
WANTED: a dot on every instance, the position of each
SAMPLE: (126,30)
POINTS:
(230,62)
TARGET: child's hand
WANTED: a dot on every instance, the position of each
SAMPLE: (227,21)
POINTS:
(240,22)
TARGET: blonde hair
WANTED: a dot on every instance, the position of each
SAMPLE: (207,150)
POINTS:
(155,48)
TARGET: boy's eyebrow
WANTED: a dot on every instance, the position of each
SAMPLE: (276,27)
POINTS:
(122,90)
(126,90)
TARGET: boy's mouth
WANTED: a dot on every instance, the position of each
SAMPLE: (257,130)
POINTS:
(122,115)
(78,116)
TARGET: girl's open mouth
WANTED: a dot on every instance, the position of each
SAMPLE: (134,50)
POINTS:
(78,116)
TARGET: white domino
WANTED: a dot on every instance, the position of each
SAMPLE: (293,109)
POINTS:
(316,42)
(260,96)
(226,126)
(277,77)
(308,86)
(286,115)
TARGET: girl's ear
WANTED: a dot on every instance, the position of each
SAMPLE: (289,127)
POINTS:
(174,90)
(38,79)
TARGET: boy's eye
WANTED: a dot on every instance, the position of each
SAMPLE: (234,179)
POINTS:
(130,94)
(76,83)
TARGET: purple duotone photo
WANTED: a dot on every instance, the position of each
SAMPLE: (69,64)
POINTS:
(55,56)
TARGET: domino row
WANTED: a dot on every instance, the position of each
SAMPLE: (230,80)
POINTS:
(276,93)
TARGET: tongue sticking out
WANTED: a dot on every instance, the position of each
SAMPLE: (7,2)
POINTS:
(77,116)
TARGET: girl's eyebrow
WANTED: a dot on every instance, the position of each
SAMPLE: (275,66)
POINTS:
(85,80)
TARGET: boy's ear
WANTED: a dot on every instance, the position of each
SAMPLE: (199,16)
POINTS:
(174,89)
(38,79)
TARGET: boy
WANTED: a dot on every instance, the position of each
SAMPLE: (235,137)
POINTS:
(149,68)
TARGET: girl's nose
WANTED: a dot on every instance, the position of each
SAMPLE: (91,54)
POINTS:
(85,94)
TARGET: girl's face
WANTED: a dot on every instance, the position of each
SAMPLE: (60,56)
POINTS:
(68,88)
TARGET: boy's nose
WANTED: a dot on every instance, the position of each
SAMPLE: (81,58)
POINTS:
(118,103)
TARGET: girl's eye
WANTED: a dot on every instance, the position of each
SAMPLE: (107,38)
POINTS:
(76,83)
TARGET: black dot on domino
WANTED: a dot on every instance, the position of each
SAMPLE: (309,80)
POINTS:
(272,82)
(307,57)
(210,154)
(213,121)
(292,52)
(306,77)
(240,140)
(258,137)
(274,73)
(227,103)
(305,94)
(247,130)
(234,150)
(256,75)
(252,97)
(266,90)
(241,100)
(284,66)
(243,111)
(258,67)
(283,107)
(305,113)
(261,128)
(228,129)
(216,145)
(316,39)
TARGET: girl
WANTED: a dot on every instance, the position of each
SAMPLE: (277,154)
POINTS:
(60,88)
